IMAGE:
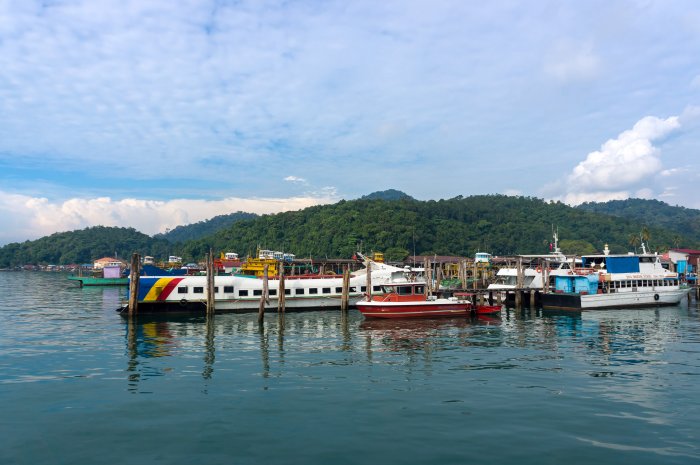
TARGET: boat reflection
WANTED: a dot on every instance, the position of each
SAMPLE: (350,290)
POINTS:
(601,337)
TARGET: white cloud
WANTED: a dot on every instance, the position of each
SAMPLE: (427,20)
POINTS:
(295,179)
(32,217)
(626,162)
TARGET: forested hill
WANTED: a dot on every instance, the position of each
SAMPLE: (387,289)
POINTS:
(681,220)
(204,228)
(459,226)
(493,223)
(83,246)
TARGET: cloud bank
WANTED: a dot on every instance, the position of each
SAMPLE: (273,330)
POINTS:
(29,217)
(624,166)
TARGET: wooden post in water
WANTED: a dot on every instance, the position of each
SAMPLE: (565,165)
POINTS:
(519,284)
(134,274)
(438,277)
(533,296)
(345,295)
(281,291)
(210,284)
(475,273)
(427,275)
(369,281)
(263,297)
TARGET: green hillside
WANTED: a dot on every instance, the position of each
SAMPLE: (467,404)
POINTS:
(204,228)
(83,246)
(684,222)
(493,223)
(497,224)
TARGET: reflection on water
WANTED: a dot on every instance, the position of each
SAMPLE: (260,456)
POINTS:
(606,386)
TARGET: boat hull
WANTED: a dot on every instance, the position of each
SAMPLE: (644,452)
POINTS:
(90,281)
(240,305)
(651,298)
(413,309)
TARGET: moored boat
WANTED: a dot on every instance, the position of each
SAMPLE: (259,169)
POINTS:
(408,300)
(240,293)
(616,281)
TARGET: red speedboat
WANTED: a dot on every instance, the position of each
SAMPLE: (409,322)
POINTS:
(480,309)
(408,300)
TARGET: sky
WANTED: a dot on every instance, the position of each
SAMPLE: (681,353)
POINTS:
(153,113)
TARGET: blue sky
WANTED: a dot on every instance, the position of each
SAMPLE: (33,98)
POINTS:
(152,114)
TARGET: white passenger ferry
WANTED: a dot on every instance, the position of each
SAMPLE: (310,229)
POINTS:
(616,281)
(237,293)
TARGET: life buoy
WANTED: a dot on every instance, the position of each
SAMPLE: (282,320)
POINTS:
(656,296)
(538,269)
(183,302)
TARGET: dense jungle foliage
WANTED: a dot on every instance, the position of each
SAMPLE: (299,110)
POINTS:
(682,221)
(497,224)
(82,246)
(204,228)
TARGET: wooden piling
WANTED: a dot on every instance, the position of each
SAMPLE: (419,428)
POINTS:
(134,274)
(533,296)
(474,275)
(519,284)
(438,278)
(369,281)
(281,291)
(427,275)
(211,297)
(263,297)
(345,296)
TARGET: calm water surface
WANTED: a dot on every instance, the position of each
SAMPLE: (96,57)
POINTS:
(80,384)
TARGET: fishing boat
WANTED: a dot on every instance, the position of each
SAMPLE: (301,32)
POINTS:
(408,300)
(616,281)
(243,293)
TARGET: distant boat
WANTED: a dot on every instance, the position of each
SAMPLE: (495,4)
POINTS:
(107,276)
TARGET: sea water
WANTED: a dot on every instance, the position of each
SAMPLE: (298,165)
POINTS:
(80,384)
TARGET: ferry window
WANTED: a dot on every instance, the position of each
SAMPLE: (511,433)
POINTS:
(287,292)
(338,290)
(228,289)
(257,291)
(363,288)
(326,290)
(182,290)
(216,289)
(404,290)
(353,289)
(376,288)
(243,293)
(313,290)
(273,292)
(198,290)
(420,290)
(565,266)
(299,291)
